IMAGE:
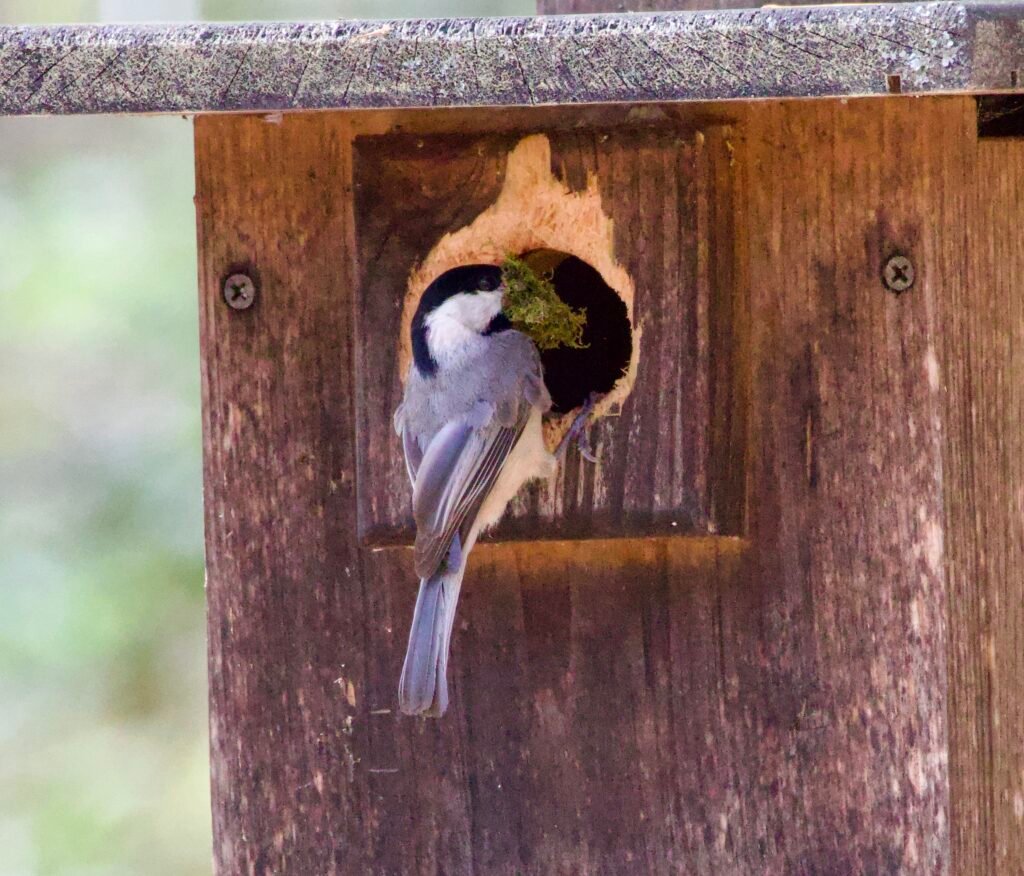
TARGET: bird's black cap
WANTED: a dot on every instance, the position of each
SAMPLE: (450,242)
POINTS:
(467,279)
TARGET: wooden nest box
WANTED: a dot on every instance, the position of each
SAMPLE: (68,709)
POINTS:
(779,626)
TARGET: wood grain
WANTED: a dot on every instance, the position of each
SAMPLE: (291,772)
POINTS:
(983,364)
(818,697)
(672,458)
(846,503)
(287,621)
(576,7)
(932,47)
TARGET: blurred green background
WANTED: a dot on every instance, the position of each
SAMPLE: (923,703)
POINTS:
(103,768)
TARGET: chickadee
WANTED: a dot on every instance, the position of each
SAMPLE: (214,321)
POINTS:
(470,423)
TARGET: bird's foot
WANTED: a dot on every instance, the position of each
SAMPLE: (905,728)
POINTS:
(578,432)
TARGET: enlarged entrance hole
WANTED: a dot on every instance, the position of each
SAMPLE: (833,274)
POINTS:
(564,232)
(571,374)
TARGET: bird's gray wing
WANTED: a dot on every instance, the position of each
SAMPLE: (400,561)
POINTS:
(410,446)
(413,454)
(456,473)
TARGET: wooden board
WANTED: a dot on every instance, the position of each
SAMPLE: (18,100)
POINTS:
(286,616)
(575,7)
(838,692)
(846,473)
(916,48)
(652,202)
(983,345)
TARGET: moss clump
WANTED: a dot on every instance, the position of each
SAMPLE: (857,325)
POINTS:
(534,308)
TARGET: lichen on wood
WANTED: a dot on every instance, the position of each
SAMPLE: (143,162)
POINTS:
(820,51)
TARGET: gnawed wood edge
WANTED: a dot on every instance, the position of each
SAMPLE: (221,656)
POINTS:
(534,211)
(849,50)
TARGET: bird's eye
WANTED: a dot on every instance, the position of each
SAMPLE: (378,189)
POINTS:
(487,285)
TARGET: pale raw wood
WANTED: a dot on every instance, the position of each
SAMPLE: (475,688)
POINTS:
(536,209)
(921,48)
(983,339)
(774,704)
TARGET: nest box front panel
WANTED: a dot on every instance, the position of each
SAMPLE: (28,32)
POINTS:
(634,224)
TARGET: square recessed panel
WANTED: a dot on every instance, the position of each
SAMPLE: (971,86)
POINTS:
(671,456)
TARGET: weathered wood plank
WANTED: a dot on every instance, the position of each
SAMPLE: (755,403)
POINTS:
(983,370)
(578,7)
(846,481)
(287,618)
(685,56)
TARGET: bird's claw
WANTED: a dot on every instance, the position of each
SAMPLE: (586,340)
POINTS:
(583,446)
(578,433)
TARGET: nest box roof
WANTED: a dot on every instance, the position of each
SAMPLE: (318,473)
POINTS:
(915,48)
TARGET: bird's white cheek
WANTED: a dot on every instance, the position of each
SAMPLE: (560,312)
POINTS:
(494,302)
(449,339)
(478,310)
(454,330)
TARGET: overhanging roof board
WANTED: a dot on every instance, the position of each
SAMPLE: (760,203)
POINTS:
(800,51)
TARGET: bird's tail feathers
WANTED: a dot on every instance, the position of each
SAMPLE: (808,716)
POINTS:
(423,688)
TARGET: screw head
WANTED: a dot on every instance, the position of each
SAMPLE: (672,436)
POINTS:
(239,291)
(898,274)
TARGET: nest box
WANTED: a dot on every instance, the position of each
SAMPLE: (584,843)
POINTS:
(777,627)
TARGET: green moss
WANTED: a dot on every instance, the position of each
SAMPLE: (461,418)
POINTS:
(534,308)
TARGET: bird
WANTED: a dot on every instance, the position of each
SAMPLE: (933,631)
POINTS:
(471,427)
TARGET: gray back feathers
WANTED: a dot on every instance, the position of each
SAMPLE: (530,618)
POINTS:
(458,427)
